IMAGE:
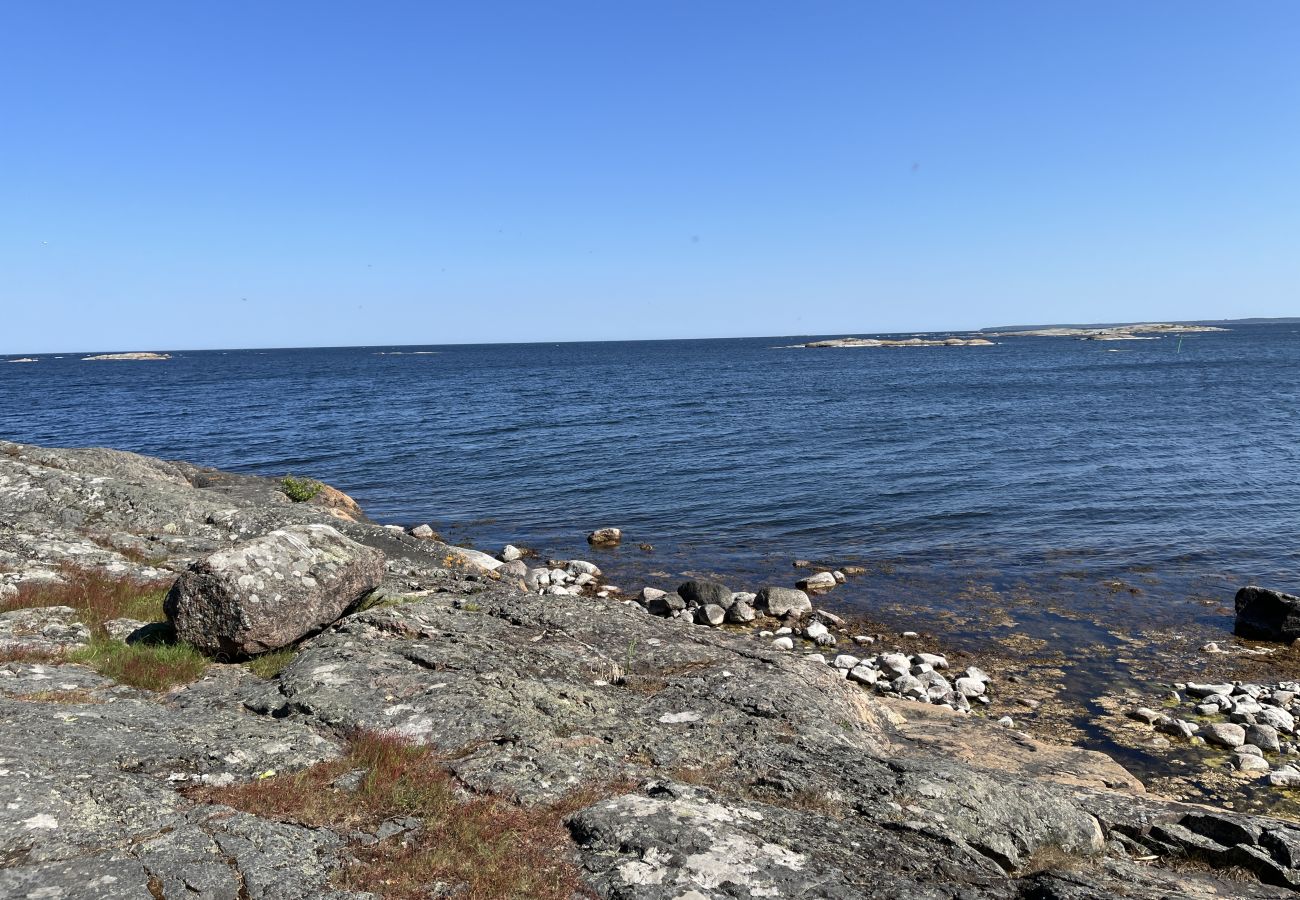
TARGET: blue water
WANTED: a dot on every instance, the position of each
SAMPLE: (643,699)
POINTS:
(1035,454)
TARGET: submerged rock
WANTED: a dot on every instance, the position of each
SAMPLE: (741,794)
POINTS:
(605,537)
(821,581)
(269,592)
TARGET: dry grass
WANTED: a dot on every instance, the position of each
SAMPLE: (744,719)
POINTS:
(97,596)
(30,655)
(132,553)
(491,849)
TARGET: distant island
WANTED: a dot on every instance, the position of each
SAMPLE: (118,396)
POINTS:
(906,342)
(1136,331)
(127,356)
(1141,332)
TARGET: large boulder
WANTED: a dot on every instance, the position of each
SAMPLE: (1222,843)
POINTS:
(702,593)
(268,592)
(1267,615)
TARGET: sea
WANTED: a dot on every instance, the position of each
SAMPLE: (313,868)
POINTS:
(1049,493)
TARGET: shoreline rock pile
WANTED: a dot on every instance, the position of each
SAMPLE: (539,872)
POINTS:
(916,676)
(1256,723)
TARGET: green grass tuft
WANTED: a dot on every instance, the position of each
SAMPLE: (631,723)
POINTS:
(153,667)
(269,665)
(300,490)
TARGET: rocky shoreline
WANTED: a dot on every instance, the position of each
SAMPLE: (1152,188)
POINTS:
(680,748)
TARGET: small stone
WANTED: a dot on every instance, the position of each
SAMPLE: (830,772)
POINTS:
(934,660)
(815,630)
(1279,718)
(710,614)
(510,553)
(826,640)
(1285,777)
(864,674)
(846,661)
(910,687)
(1264,737)
(783,643)
(424,532)
(910,634)
(666,604)
(821,581)
(1206,690)
(1142,714)
(1252,764)
(936,686)
(978,674)
(1007,722)
(829,618)
(740,613)
(863,640)
(895,664)
(969,687)
(839,577)
(1225,734)
(782,602)
(578,567)
(649,594)
(1176,727)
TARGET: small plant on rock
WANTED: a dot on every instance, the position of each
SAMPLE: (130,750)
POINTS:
(300,490)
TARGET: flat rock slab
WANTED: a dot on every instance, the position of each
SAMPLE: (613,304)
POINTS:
(43,629)
(269,592)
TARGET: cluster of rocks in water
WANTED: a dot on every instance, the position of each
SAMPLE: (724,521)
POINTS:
(730,768)
(1256,723)
(786,618)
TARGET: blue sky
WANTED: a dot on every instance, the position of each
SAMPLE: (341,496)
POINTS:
(238,174)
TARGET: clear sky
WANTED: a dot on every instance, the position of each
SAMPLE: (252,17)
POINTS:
(237,174)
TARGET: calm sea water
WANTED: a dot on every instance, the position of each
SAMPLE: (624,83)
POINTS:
(1032,457)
